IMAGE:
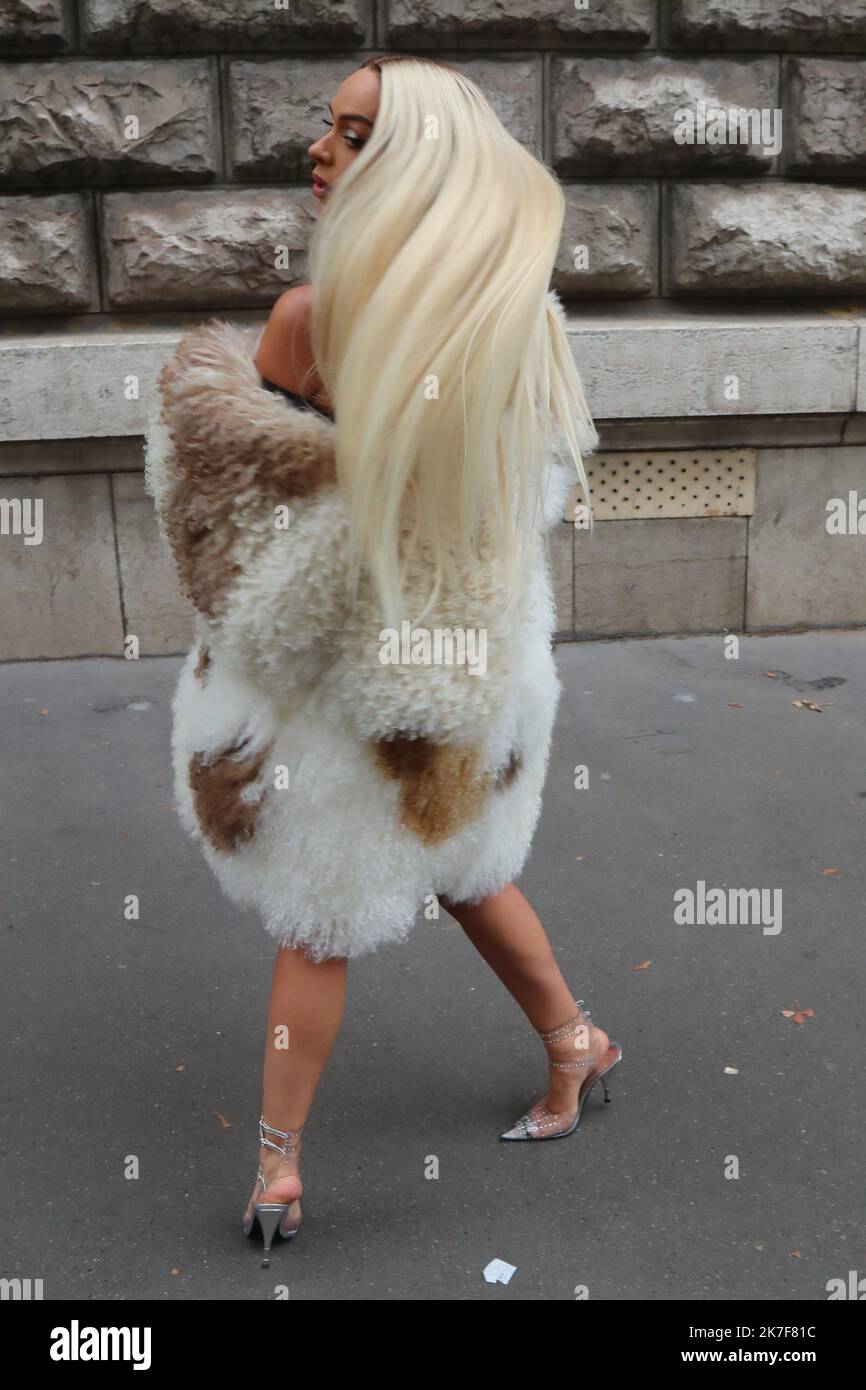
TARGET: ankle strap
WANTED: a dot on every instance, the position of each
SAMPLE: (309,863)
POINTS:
(290,1138)
(568,1029)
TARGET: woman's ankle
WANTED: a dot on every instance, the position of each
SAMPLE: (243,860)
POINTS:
(269,1159)
(584,1047)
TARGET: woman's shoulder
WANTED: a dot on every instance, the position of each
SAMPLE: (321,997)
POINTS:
(293,307)
(285,350)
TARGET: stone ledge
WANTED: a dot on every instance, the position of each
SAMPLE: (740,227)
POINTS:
(71,380)
(47,457)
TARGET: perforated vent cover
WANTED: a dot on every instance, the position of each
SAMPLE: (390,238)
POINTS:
(676,482)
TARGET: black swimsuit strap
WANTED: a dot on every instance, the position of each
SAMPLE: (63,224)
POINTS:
(292,396)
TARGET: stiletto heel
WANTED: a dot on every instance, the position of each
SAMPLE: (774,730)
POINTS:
(270,1215)
(539,1118)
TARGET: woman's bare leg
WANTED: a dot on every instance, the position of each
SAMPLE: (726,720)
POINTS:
(508,934)
(306,1008)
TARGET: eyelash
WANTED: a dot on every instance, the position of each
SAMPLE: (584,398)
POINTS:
(353,141)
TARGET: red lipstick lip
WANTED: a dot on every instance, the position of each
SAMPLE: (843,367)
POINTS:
(320,187)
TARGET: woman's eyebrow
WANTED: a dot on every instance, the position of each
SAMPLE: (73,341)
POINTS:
(350,116)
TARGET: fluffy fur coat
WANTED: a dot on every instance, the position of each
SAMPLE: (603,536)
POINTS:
(332,792)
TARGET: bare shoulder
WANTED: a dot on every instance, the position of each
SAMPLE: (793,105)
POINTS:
(285,353)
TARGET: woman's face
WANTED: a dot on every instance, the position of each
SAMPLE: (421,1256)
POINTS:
(353,112)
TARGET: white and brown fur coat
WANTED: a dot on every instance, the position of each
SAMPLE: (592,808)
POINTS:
(332,792)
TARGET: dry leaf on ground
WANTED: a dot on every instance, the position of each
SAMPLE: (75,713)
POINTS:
(798,1014)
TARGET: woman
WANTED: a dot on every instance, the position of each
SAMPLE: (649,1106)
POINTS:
(356,501)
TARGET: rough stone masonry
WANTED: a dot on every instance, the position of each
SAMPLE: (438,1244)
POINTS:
(154,151)
(154,171)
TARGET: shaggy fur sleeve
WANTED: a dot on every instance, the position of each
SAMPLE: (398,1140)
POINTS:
(402,683)
(445,679)
(393,688)
(245,493)
(560,477)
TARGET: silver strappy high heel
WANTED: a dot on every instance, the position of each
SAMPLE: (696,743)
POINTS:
(270,1214)
(533,1124)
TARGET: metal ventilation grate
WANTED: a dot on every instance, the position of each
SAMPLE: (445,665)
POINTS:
(634,486)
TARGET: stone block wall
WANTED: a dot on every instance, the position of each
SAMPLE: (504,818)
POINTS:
(154,151)
(154,170)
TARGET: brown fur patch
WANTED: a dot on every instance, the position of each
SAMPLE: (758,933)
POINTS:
(202,665)
(441,785)
(226,820)
(506,775)
(231,438)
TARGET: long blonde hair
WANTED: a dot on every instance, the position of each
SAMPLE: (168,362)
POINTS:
(446,362)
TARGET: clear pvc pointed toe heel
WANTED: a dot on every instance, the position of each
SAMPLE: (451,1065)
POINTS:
(541,1123)
(270,1216)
